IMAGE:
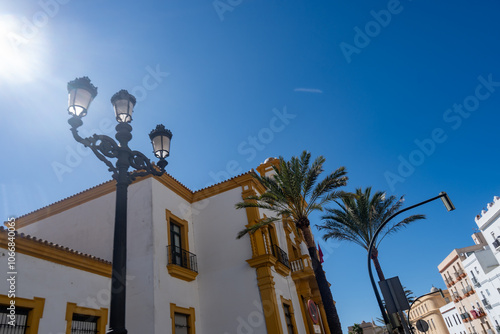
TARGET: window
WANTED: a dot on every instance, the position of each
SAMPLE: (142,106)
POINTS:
(84,320)
(289,316)
(183,320)
(181,323)
(488,292)
(176,244)
(181,263)
(288,319)
(28,314)
(84,324)
(21,322)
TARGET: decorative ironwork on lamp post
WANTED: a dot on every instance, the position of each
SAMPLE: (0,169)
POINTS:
(81,93)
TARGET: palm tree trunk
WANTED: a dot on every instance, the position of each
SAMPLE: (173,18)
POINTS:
(374,257)
(324,289)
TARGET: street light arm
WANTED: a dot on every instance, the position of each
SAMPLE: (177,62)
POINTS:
(374,238)
(102,146)
(142,165)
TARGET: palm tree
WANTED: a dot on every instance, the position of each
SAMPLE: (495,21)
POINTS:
(356,329)
(293,192)
(358,217)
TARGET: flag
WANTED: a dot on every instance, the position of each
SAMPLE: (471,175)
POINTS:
(320,254)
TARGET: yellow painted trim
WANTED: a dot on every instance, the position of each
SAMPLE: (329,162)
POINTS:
(324,320)
(184,225)
(181,272)
(281,269)
(305,315)
(57,254)
(102,315)
(187,311)
(268,166)
(288,302)
(265,282)
(266,260)
(35,314)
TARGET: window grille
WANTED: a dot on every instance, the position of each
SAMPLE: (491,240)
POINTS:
(84,324)
(20,324)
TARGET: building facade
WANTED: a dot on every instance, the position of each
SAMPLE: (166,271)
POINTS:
(483,265)
(452,319)
(427,308)
(462,290)
(186,271)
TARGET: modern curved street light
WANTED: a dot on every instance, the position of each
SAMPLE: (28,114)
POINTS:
(427,294)
(81,93)
(449,206)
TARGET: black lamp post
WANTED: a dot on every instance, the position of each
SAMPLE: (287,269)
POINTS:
(449,206)
(81,93)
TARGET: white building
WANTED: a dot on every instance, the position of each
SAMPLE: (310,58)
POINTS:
(483,265)
(186,271)
(452,319)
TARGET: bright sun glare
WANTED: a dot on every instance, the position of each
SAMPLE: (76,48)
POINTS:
(20,56)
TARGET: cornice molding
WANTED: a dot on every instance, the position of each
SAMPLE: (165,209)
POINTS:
(48,251)
(108,187)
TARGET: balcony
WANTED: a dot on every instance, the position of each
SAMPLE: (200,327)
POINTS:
(468,290)
(496,243)
(181,263)
(486,303)
(448,282)
(465,317)
(475,282)
(281,256)
(456,297)
(459,274)
(301,268)
(297,265)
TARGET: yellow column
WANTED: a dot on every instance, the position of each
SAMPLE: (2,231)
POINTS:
(265,282)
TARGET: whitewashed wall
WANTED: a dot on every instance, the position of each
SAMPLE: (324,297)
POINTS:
(452,319)
(59,285)
(229,297)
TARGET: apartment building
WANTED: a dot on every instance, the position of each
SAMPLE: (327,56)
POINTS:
(462,290)
(452,319)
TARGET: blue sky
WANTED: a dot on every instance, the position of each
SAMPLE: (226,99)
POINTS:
(404,94)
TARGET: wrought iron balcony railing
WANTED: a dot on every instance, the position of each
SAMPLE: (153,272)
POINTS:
(486,303)
(281,256)
(182,257)
(475,282)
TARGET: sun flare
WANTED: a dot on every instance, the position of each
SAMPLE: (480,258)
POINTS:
(20,53)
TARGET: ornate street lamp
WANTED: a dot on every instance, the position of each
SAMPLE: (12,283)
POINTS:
(449,206)
(81,93)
